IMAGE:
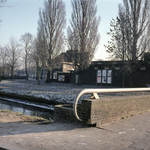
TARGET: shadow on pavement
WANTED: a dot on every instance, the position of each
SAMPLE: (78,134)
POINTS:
(14,128)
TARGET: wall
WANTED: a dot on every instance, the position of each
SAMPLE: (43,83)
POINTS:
(63,113)
(105,110)
(113,109)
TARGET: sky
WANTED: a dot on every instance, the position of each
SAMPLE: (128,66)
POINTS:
(23,15)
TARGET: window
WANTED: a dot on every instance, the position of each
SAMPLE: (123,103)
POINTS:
(143,68)
(54,75)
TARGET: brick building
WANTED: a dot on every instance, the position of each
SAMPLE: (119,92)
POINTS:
(62,66)
(110,73)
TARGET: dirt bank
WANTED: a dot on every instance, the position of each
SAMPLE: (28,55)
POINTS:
(9,116)
(30,98)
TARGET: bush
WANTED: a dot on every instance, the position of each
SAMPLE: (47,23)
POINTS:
(3,78)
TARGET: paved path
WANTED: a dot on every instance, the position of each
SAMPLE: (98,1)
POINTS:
(129,134)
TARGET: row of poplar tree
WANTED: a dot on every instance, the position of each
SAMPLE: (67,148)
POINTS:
(129,33)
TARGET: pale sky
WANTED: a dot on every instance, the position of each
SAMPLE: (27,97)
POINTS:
(22,17)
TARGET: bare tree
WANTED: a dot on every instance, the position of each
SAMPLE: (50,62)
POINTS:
(73,45)
(41,49)
(133,30)
(3,57)
(13,53)
(117,45)
(2,2)
(36,57)
(114,47)
(84,29)
(26,40)
(50,30)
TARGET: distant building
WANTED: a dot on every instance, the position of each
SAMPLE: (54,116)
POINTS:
(110,73)
(62,65)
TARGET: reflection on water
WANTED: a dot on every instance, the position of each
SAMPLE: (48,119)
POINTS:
(27,110)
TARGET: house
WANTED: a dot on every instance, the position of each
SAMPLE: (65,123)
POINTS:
(62,65)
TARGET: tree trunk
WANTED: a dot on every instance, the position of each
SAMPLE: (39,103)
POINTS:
(123,75)
(48,80)
(12,72)
(26,74)
(42,74)
(74,79)
(80,78)
(3,70)
(26,69)
(39,72)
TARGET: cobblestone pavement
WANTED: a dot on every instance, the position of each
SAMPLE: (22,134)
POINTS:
(128,134)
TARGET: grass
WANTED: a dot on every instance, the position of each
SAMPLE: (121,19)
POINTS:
(4,110)
(32,119)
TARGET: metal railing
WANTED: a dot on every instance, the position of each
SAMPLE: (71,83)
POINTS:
(95,95)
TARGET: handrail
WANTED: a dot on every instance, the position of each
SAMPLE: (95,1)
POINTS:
(95,91)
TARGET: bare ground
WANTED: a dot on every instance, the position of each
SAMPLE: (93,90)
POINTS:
(9,116)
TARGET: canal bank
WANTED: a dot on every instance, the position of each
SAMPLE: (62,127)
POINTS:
(28,108)
(54,92)
(29,91)
(29,98)
(7,116)
(49,94)
(126,134)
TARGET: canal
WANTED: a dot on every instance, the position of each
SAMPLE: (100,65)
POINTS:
(26,107)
